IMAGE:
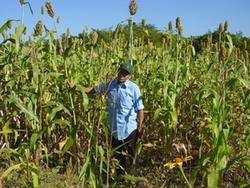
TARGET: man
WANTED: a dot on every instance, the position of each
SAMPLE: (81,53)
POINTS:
(126,115)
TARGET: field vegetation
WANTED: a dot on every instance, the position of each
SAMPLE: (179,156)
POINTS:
(196,93)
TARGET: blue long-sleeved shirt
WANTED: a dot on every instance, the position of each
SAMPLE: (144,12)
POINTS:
(124,100)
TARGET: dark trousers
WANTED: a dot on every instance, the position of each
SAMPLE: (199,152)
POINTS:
(125,151)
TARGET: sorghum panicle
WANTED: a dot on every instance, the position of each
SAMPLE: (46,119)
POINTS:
(150,46)
(39,28)
(68,32)
(222,53)
(21,2)
(58,20)
(133,7)
(30,41)
(245,44)
(94,38)
(170,27)
(50,10)
(221,28)
(143,23)
(226,26)
(246,55)
(42,10)
(178,25)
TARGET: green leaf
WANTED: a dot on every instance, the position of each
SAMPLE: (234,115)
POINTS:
(6,129)
(230,84)
(22,107)
(9,170)
(33,140)
(157,114)
(29,7)
(245,83)
(83,172)
(35,175)
(213,179)
(101,153)
(9,39)
(4,27)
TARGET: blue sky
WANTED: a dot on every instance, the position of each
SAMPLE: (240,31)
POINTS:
(198,16)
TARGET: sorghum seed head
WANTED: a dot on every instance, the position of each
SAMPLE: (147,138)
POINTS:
(42,10)
(170,27)
(225,26)
(50,10)
(21,2)
(39,28)
(245,44)
(150,46)
(30,41)
(178,25)
(221,28)
(222,53)
(94,38)
(143,22)
(58,20)
(246,54)
(68,32)
(85,30)
(133,7)
(163,40)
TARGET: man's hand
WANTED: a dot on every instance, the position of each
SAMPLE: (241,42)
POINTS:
(89,90)
(140,126)
(69,85)
(140,132)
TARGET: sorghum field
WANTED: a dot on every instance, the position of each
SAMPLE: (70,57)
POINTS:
(196,97)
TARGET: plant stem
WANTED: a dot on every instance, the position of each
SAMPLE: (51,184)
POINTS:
(183,174)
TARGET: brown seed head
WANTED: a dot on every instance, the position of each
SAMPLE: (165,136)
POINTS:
(150,46)
(94,38)
(42,10)
(85,30)
(222,53)
(50,10)
(245,44)
(39,28)
(143,23)
(21,2)
(68,32)
(58,20)
(221,28)
(170,27)
(133,7)
(225,26)
(246,55)
(30,41)
(179,26)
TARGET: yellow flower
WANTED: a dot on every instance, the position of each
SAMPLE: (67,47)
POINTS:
(177,162)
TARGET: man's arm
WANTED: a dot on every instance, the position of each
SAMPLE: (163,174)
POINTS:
(140,117)
(89,90)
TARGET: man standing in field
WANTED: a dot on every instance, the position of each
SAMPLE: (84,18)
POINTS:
(125,108)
